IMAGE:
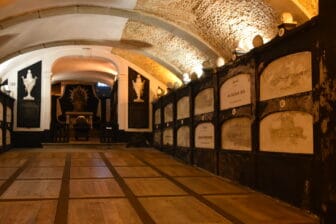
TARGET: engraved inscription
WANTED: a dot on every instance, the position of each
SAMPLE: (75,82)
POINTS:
(158,116)
(9,114)
(183,110)
(157,137)
(204,136)
(286,76)
(290,132)
(8,137)
(204,102)
(1,112)
(168,113)
(168,137)
(183,136)
(236,134)
(235,92)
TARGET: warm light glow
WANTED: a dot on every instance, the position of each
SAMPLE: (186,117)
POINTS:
(198,69)
(79,63)
(286,17)
(220,62)
(186,78)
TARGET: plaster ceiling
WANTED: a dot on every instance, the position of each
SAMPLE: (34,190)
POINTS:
(172,36)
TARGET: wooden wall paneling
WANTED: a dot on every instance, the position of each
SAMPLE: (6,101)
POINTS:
(168,101)
(7,121)
(236,103)
(183,120)
(204,157)
(272,168)
(265,171)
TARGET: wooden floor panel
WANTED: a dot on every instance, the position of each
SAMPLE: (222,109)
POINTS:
(153,187)
(180,210)
(70,184)
(42,173)
(257,209)
(211,185)
(17,162)
(33,189)
(5,173)
(95,188)
(141,171)
(182,170)
(24,212)
(102,211)
(90,172)
(48,162)
(87,162)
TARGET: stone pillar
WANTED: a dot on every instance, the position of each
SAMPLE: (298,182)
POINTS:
(327,111)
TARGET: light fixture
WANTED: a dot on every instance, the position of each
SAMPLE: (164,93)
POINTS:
(159,92)
(186,78)
(198,69)
(287,23)
(258,41)
(220,62)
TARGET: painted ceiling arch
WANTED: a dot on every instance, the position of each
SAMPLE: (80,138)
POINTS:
(177,35)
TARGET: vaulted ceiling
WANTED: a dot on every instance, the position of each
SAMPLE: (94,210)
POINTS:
(165,38)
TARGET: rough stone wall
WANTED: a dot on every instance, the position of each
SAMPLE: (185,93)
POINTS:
(147,64)
(221,23)
(174,50)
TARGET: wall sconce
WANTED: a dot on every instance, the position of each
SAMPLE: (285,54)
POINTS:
(287,23)
(159,92)
(220,62)
(258,41)
(186,78)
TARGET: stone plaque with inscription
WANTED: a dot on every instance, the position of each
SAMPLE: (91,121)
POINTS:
(205,136)
(157,137)
(204,102)
(8,137)
(289,132)
(168,113)
(286,76)
(157,116)
(183,136)
(9,114)
(168,138)
(235,92)
(1,112)
(236,134)
(183,109)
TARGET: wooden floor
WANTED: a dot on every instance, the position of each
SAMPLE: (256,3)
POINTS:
(119,185)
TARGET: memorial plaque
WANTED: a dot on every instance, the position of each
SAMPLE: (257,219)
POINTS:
(183,109)
(290,132)
(8,137)
(168,113)
(158,116)
(9,114)
(138,100)
(205,136)
(235,92)
(29,96)
(1,140)
(286,76)
(236,134)
(204,102)
(183,137)
(157,137)
(168,138)
(1,111)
